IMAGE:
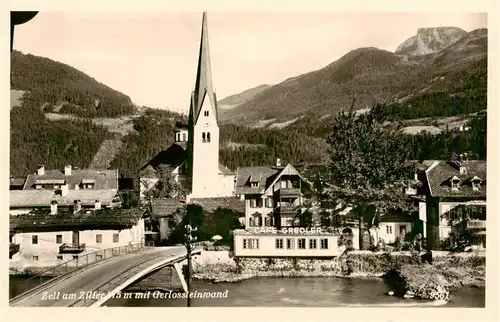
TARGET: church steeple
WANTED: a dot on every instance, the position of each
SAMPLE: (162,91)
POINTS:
(203,86)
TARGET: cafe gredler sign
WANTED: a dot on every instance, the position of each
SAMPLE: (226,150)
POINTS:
(296,230)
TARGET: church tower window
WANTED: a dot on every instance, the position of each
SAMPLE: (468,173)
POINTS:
(205,113)
(203,137)
(208,136)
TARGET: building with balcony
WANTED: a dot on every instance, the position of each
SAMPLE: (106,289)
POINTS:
(456,199)
(44,238)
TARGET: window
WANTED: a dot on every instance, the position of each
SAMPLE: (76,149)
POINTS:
(302,243)
(267,222)
(116,238)
(208,136)
(35,258)
(58,239)
(34,239)
(178,136)
(184,138)
(205,113)
(389,229)
(269,203)
(59,257)
(203,137)
(98,238)
(476,184)
(279,243)
(75,256)
(56,186)
(253,203)
(454,184)
(290,243)
(313,243)
(38,186)
(254,184)
(324,243)
(251,243)
(283,184)
(250,222)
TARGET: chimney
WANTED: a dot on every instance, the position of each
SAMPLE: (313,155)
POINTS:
(278,162)
(64,190)
(41,170)
(77,206)
(463,168)
(97,205)
(463,163)
(53,207)
(67,170)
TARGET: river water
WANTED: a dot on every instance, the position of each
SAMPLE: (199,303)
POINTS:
(304,291)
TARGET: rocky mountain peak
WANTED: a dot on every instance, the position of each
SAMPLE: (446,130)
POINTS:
(430,40)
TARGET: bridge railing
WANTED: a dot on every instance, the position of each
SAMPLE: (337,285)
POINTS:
(89,258)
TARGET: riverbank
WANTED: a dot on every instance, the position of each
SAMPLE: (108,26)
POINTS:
(408,273)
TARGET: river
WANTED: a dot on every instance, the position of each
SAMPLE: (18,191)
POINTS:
(304,291)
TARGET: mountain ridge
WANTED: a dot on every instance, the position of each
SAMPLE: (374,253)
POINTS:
(368,74)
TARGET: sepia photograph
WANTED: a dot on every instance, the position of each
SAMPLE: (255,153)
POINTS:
(248,159)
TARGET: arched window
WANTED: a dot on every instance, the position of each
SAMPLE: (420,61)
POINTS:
(184,137)
(203,138)
(208,136)
(178,136)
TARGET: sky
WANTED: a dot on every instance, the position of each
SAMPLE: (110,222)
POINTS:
(152,57)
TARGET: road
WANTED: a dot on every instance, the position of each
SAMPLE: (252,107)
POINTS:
(65,291)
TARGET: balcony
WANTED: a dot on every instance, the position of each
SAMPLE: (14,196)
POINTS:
(476,224)
(283,209)
(288,192)
(71,248)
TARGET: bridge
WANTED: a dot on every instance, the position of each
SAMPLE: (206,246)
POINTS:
(92,285)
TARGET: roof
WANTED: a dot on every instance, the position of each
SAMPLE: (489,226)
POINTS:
(104,179)
(395,216)
(440,173)
(203,87)
(166,207)
(224,170)
(42,220)
(264,176)
(211,204)
(17,181)
(173,156)
(42,198)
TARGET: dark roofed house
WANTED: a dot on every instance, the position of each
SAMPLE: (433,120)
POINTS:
(46,238)
(452,184)
(17,183)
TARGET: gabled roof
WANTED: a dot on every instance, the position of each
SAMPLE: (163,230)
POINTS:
(166,207)
(224,170)
(211,204)
(266,177)
(174,156)
(43,198)
(439,175)
(104,179)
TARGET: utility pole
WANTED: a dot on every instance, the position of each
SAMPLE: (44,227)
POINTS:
(189,239)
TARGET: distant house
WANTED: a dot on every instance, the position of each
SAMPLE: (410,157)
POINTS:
(456,191)
(89,188)
(45,238)
(17,183)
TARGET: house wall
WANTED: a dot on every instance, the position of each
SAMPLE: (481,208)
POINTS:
(264,211)
(47,249)
(389,231)
(422,215)
(267,246)
(164,228)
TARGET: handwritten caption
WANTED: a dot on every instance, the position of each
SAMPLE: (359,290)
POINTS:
(95,295)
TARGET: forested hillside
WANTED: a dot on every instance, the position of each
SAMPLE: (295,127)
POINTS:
(56,85)
(34,140)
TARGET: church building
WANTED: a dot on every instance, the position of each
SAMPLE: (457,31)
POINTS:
(194,157)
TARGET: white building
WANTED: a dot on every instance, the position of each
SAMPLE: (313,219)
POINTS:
(47,238)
